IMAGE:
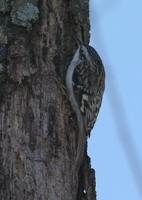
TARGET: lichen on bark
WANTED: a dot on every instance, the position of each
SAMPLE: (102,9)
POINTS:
(24,13)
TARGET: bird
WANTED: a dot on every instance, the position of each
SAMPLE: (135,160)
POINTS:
(85,83)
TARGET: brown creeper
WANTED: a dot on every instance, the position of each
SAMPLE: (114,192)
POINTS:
(85,82)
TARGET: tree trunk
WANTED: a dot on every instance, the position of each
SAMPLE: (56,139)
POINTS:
(38,129)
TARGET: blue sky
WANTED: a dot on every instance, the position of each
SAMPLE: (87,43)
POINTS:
(116,140)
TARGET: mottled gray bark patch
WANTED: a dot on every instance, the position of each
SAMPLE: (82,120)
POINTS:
(4,6)
(21,63)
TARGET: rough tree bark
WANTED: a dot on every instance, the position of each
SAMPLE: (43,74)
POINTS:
(38,130)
